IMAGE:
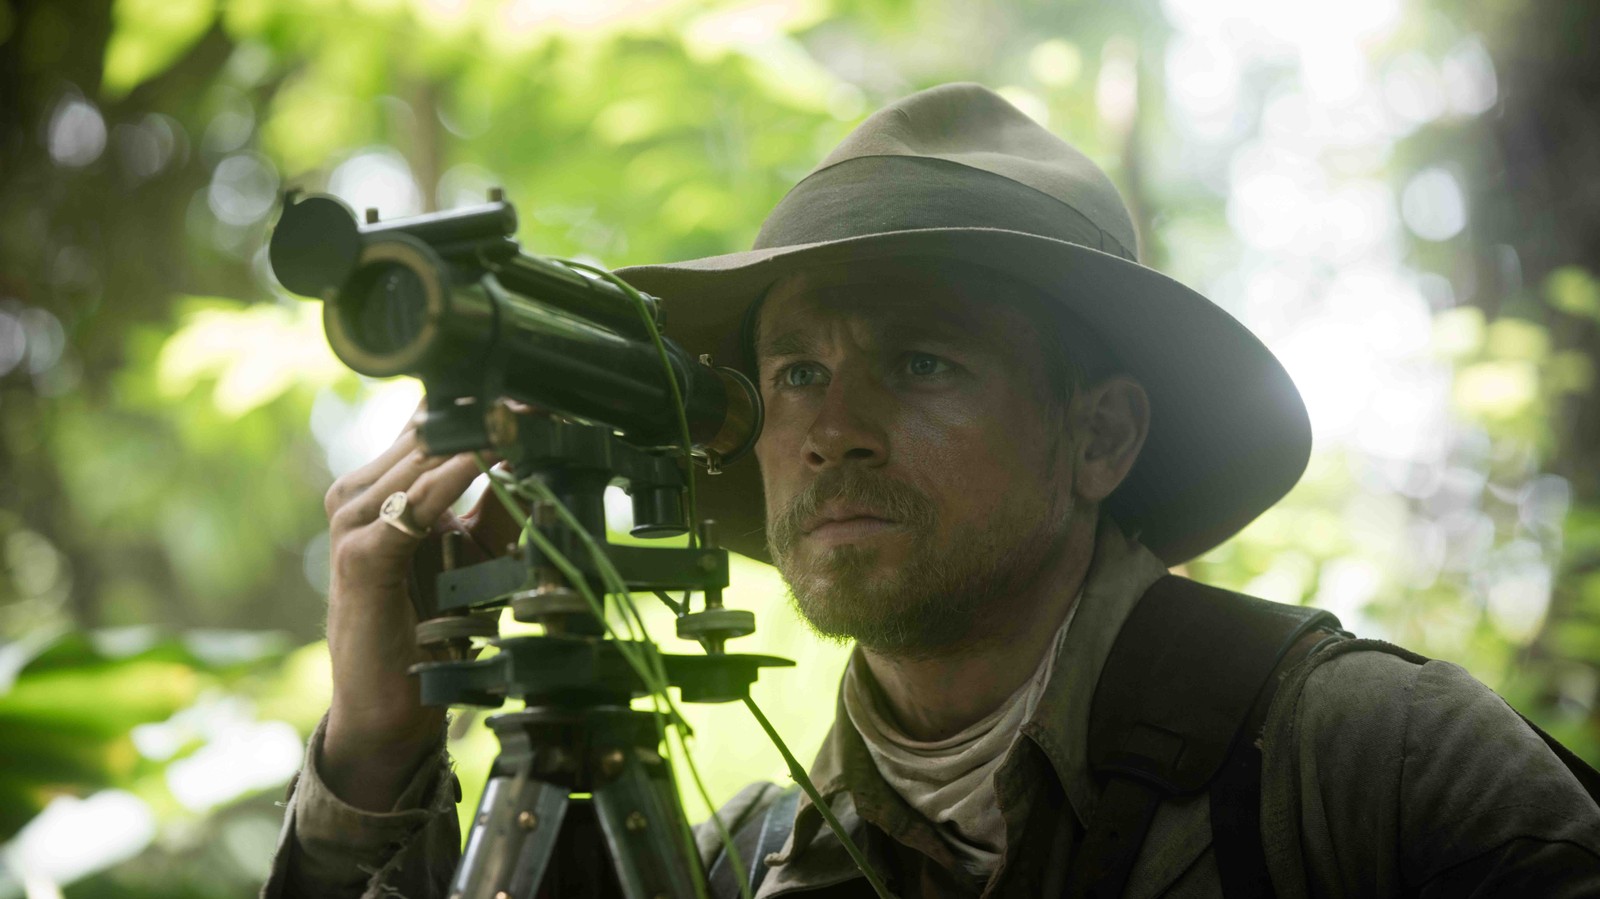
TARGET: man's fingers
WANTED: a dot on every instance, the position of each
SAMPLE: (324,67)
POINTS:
(436,490)
(428,496)
(357,481)
(363,507)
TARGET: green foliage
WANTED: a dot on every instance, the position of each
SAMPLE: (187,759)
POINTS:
(1574,291)
(158,431)
(77,721)
(150,35)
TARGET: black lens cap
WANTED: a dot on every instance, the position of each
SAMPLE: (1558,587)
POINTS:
(315,245)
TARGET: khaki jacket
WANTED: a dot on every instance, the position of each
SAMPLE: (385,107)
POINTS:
(1381,777)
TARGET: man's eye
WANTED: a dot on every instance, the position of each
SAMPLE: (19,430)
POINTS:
(800,374)
(924,365)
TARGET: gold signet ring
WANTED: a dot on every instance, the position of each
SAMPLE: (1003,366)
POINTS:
(395,513)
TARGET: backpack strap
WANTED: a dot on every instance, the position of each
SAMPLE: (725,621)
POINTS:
(1155,728)
(1236,790)
(759,836)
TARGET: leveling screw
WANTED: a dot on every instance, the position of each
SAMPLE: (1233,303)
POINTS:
(611,763)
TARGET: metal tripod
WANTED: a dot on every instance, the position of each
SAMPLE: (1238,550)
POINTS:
(580,802)
(531,832)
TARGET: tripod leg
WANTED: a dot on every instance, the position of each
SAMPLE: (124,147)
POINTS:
(512,838)
(641,819)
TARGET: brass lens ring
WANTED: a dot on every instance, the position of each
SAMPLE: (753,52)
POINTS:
(395,252)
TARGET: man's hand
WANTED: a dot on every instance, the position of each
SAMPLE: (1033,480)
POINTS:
(378,731)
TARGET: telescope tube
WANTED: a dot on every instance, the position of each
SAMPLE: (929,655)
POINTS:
(473,309)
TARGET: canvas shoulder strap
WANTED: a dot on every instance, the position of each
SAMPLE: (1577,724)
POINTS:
(756,838)
(1236,789)
(1177,689)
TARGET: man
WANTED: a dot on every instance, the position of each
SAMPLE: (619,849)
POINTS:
(989,432)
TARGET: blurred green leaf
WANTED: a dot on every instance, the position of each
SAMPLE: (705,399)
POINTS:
(168,457)
(149,36)
(65,722)
(1574,291)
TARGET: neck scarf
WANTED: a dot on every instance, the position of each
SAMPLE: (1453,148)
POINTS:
(951,781)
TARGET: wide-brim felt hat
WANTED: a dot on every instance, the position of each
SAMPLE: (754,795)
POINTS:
(957,173)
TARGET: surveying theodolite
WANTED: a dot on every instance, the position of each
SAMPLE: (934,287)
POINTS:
(580,801)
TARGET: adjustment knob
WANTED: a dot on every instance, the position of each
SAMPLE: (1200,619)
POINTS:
(657,512)
(713,627)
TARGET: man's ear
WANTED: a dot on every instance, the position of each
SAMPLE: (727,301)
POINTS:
(1112,419)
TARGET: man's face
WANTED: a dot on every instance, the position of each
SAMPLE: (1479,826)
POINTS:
(914,471)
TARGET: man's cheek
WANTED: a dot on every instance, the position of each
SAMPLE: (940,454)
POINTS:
(771,487)
(777,497)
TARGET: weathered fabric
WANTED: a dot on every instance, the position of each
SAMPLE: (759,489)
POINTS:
(330,848)
(950,781)
(1382,776)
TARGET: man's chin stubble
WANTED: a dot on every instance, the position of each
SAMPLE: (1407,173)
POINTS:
(931,602)
(843,598)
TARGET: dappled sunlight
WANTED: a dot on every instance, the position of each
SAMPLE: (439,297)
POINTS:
(1433,206)
(241,757)
(354,432)
(77,133)
(252,353)
(1332,175)
(749,27)
(377,179)
(568,17)
(1394,379)
(244,188)
(73,837)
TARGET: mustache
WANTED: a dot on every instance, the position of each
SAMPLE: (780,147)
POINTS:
(886,497)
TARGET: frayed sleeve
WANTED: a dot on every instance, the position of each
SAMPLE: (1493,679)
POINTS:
(329,848)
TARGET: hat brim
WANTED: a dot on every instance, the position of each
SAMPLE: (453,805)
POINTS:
(1229,434)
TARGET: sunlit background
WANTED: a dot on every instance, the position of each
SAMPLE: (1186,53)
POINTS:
(1398,196)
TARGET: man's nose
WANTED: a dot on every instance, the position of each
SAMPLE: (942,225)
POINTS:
(849,427)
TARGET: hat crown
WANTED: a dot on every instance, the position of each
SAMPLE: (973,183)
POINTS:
(969,125)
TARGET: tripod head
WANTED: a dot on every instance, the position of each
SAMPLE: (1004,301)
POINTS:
(577,462)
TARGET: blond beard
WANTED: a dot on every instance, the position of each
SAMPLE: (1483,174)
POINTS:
(931,603)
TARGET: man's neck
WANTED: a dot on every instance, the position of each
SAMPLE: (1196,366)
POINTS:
(934,696)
